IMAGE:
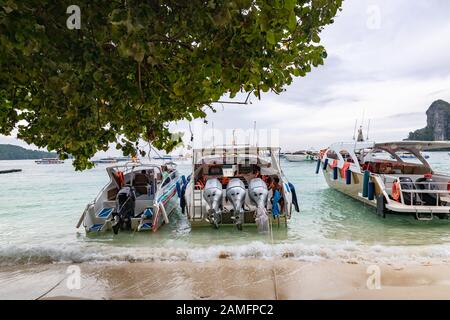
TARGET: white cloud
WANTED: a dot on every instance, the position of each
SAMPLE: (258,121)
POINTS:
(391,73)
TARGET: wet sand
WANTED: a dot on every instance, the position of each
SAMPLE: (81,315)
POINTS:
(224,279)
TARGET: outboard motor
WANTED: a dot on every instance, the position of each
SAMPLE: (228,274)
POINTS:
(257,190)
(426,183)
(213,196)
(124,211)
(236,195)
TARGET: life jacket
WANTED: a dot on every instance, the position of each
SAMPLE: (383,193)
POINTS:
(334,164)
(201,183)
(120,178)
(225,180)
(344,169)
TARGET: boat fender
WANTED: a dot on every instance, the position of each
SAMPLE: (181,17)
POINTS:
(182,199)
(371,191)
(275,208)
(396,191)
(325,164)
(318,166)
(366,184)
(335,173)
(348,176)
(381,205)
(178,186)
(294,197)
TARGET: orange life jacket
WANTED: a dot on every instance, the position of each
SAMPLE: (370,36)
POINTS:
(344,169)
(120,178)
(334,164)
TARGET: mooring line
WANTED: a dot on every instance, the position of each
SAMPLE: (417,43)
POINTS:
(275,285)
(51,289)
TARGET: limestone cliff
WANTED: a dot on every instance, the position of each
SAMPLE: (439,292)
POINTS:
(438,125)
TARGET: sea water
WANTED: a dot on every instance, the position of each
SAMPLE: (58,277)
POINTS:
(40,206)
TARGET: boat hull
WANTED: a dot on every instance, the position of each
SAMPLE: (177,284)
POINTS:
(152,209)
(355,190)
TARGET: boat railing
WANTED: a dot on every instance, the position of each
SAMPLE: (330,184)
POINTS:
(197,203)
(437,191)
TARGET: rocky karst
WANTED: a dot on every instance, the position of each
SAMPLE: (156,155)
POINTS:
(438,126)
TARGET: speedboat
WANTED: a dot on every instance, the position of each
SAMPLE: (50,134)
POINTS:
(105,160)
(389,183)
(238,186)
(302,155)
(49,161)
(138,197)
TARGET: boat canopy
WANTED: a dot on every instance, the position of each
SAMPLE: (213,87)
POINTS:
(415,145)
(227,151)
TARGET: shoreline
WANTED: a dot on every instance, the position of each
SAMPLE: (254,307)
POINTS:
(252,279)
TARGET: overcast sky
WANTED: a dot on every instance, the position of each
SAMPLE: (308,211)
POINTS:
(387,59)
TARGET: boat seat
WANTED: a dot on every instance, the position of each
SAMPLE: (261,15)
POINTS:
(140,183)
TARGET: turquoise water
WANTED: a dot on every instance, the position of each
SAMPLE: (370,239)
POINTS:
(40,206)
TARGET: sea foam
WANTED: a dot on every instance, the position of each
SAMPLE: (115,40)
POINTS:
(344,252)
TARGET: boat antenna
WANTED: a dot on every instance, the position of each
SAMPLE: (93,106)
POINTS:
(368,128)
(354,130)
(362,120)
(152,148)
(255,137)
(233,142)
(214,145)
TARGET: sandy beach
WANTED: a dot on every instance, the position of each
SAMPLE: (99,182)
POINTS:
(224,279)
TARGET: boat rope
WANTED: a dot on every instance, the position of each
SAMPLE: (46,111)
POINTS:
(275,284)
(51,289)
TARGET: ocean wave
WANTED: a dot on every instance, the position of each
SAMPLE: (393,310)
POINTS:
(347,252)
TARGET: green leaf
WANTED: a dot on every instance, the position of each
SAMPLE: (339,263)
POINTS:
(135,67)
(270,37)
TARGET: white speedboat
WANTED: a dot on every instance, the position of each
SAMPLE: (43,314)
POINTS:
(49,161)
(138,197)
(300,156)
(105,161)
(409,155)
(389,183)
(238,185)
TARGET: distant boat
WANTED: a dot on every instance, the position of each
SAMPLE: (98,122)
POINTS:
(303,155)
(169,157)
(10,171)
(105,160)
(112,160)
(165,157)
(409,155)
(49,161)
(123,159)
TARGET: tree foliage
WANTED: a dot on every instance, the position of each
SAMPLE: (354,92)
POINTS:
(134,66)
